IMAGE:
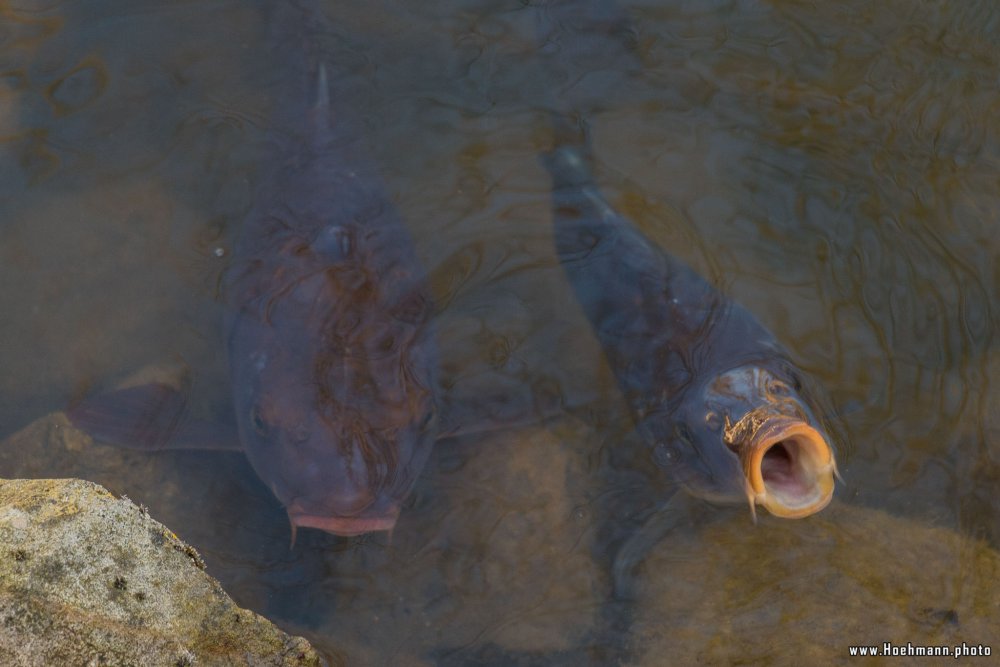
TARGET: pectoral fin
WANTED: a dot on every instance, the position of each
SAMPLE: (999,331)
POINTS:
(150,416)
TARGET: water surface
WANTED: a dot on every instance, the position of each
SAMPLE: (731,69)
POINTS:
(833,166)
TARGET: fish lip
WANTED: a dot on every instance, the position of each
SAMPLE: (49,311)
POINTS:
(345,526)
(809,487)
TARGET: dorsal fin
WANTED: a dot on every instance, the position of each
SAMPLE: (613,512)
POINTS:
(322,91)
(320,114)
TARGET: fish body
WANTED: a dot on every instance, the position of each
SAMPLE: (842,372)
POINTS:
(712,392)
(328,317)
(331,348)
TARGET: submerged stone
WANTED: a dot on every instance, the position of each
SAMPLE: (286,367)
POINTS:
(805,592)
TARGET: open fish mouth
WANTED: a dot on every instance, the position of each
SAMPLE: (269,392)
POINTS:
(789,468)
(348,526)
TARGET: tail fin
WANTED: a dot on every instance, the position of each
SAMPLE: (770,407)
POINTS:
(582,42)
(300,36)
(601,27)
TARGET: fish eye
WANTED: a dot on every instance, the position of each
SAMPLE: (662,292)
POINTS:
(665,454)
(257,420)
(796,382)
(713,420)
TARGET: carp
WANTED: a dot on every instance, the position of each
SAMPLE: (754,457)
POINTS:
(328,325)
(711,391)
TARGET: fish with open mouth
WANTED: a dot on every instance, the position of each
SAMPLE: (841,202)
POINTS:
(711,391)
(328,319)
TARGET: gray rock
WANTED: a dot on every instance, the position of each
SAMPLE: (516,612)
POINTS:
(88,579)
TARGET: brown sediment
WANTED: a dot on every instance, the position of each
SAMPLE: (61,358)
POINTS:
(788,464)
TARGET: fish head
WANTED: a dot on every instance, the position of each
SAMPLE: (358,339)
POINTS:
(340,448)
(749,434)
(340,473)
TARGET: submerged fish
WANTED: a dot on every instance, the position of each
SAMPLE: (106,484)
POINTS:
(329,336)
(711,391)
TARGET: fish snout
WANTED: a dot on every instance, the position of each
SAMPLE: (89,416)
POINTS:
(789,467)
(344,526)
(364,516)
(342,506)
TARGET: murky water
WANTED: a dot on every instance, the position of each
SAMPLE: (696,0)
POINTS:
(833,166)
